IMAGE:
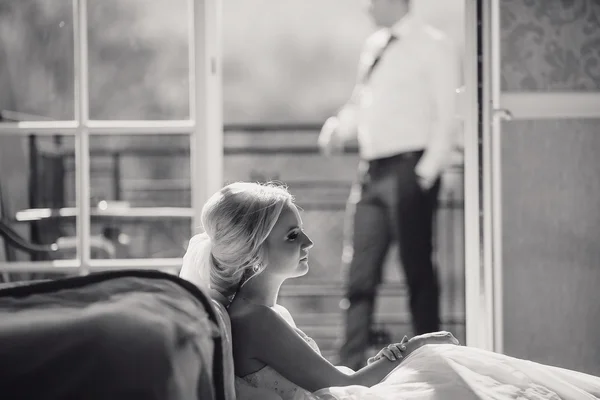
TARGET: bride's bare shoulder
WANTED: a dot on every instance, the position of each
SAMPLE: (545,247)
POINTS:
(250,316)
(285,314)
(247,326)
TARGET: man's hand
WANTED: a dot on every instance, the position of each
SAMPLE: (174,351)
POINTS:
(329,141)
(441,337)
(424,183)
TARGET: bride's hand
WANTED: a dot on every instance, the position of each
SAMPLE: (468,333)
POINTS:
(392,352)
(397,351)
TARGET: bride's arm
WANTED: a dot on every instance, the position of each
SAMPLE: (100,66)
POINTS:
(270,339)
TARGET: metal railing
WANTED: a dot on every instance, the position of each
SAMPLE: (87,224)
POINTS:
(261,144)
(272,152)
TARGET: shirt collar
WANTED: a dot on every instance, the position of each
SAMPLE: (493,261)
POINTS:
(405,25)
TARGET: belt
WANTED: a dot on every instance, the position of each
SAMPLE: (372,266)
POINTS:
(383,163)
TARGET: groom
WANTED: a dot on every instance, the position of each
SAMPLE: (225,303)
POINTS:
(401,111)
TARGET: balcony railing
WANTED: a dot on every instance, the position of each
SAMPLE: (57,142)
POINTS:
(154,213)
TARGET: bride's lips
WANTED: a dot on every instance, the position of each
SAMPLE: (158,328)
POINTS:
(305,258)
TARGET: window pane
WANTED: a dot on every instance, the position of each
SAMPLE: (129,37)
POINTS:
(140,189)
(289,73)
(138,59)
(294,74)
(36,58)
(34,204)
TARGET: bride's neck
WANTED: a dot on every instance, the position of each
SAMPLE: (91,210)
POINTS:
(260,292)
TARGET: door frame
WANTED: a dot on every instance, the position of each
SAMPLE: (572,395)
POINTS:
(478,294)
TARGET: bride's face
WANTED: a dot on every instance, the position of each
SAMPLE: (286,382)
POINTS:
(288,245)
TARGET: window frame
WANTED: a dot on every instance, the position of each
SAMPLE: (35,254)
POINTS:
(204,127)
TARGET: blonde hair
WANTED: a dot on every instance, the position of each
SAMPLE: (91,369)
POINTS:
(236,220)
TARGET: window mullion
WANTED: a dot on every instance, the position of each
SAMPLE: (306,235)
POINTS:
(206,142)
(82,143)
(196,72)
(25,128)
(140,127)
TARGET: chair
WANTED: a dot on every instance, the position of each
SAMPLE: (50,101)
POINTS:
(225,328)
(183,364)
(46,190)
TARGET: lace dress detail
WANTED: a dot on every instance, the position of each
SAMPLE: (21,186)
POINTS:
(268,378)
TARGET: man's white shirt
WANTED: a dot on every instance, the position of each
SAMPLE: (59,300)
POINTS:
(409,101)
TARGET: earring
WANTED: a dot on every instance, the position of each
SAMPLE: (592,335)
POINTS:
(256,268)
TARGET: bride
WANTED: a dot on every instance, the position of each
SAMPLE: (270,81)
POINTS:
(254,240)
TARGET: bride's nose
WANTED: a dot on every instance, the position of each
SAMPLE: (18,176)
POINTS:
(308,244)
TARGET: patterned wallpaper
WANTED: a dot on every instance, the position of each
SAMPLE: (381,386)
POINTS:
(550,45)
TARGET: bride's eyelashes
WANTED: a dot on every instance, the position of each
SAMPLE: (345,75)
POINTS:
(293,235)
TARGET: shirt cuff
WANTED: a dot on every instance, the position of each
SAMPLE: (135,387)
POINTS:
(427,172)
(348,121)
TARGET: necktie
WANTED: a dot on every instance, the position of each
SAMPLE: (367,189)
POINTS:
(369,71)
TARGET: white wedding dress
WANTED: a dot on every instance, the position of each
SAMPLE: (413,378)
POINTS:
(447,372)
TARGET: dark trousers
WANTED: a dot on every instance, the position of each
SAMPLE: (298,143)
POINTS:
(387,203)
